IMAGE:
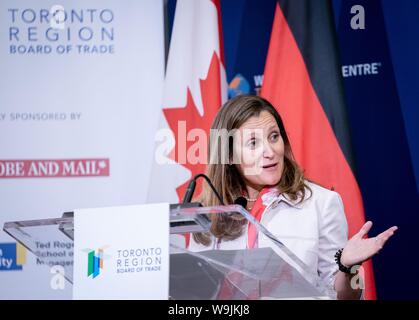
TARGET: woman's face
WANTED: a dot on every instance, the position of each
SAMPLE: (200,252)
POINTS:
(260,150)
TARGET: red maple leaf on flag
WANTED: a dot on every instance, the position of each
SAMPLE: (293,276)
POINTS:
(183,121)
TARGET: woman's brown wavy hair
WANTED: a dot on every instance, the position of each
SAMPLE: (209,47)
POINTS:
(226,177)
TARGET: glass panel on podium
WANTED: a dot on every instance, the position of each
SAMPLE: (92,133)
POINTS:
(47,239)
(272,272)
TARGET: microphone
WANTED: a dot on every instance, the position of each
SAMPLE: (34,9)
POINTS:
(241,201)
(191,189)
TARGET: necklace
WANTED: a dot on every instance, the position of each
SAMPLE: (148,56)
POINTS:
(250,200)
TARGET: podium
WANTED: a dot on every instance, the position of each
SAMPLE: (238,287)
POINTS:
(271,272)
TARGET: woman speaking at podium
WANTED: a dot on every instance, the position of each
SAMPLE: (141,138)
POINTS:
(306,217)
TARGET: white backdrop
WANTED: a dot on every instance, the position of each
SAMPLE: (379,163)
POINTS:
(90,90)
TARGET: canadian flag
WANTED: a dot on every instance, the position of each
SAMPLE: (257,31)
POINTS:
(194,90)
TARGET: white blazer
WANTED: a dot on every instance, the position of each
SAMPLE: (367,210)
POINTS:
(313,230)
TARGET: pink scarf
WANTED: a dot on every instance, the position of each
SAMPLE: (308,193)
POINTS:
(257,210)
